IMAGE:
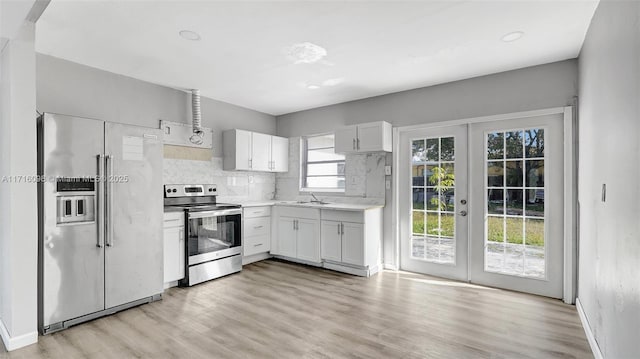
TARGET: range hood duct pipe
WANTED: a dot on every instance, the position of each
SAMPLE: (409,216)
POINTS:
(197,137)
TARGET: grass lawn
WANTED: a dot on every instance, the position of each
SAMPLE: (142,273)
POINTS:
(534,228)
(446,219)
(534,231)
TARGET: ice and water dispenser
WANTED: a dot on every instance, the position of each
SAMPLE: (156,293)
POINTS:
(75,200)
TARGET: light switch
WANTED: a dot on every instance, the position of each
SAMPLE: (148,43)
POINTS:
(387,170)
(250,179)
(387,184)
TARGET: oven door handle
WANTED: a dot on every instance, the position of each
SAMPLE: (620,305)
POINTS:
(205,214)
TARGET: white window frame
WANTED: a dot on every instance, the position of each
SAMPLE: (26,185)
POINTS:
(303,167)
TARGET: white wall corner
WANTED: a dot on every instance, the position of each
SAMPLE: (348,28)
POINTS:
(13,343)
(595,348)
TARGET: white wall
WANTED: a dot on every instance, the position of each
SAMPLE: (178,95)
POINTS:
(609,247)
(18,203)
(533,88)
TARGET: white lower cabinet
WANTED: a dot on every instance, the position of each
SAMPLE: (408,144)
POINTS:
(174,248)
(350,240)
(256,233)
(341,240)
(297,234)
(353,244)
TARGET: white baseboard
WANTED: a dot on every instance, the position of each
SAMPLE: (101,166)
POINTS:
(587,329)
(13,343)
(390,267)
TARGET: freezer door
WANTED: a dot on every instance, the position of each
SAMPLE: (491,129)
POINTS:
(71,262)
(134,252)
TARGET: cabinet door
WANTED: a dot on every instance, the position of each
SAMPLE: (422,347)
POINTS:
(279,154)
(331,241)
(173,254)
(345,140)
(243,150)
(260,151)
(353,244)
(375,136)
(308,242)
(286,237)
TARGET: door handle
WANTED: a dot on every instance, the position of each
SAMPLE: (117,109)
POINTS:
(99,204)
(339,229)
(463,213)
(354,143)
(109,199)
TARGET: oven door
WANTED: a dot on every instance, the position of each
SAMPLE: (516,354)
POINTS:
(213,235)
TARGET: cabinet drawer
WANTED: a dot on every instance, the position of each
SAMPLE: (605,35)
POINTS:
(252,212)
(257,226)
(173,219)
(298,212)
(342,216)
(256,244)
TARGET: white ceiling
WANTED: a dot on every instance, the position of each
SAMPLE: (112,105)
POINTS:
(374,47)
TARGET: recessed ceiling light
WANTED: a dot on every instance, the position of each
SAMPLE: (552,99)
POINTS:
(305,53)
(189,35)
(512,36)
(333,82)
(313,87)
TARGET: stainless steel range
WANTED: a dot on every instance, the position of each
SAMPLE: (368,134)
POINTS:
(213,232)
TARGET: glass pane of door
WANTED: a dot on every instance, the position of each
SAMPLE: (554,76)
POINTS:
(433,200)
(514,209)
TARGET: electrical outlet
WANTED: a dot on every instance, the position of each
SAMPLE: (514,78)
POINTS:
(250,179)
(387,170)
(387,184)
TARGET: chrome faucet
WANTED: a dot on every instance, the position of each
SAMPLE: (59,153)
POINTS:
(315,199)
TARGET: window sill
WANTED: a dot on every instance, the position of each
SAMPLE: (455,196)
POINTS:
(322,190)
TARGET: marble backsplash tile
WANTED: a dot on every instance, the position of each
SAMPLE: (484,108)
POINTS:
(233,186)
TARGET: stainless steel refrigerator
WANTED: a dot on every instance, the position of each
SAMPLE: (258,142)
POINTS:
(100,218)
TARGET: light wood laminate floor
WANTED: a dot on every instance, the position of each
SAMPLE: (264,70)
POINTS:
(275,309)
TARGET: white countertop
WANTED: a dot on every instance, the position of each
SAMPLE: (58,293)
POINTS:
(336,206)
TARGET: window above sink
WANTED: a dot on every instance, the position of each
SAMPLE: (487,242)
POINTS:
(322,169)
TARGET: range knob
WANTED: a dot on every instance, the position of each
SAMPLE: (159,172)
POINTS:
(168,190)
(210,189)
(175,190)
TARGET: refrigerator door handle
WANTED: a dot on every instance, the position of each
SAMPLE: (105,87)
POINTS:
(109,199)
(99,206)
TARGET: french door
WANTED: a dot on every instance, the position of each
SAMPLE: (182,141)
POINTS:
(434,226)
(483,203)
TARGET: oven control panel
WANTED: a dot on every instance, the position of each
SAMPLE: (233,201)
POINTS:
(189,190)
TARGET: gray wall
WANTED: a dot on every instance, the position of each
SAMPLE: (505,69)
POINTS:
(609,275)
(532,88)
(72,89)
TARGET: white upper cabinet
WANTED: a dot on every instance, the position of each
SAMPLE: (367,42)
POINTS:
(279,154)
(366,137)
(253,151)
(346,139)
(260,152)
